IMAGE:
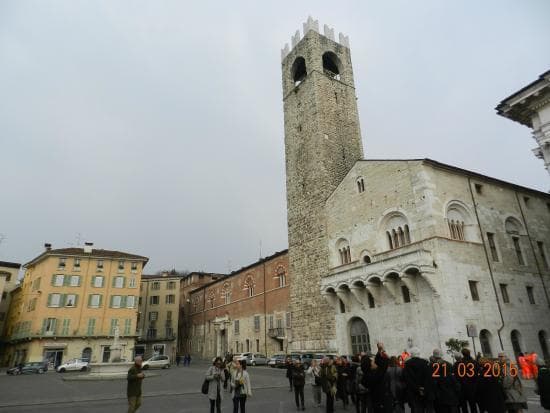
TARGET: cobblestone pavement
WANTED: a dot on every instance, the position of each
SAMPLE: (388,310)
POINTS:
(175,390)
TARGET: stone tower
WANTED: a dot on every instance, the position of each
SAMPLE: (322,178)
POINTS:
(322,143)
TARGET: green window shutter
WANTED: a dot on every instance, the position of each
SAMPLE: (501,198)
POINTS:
(123,301)
(93,280)
(79,277)
(113,281)
(89,300)
(123,282)
(54,326)
(75,300)
(66,280)
(49,300)
(100,299)
(62,300)
(53,279)
(44,325)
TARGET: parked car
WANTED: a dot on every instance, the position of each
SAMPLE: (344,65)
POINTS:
(277,360)
(160,362)
(37,367)
(306,359)
(242,356)
(73,365)
(256,359)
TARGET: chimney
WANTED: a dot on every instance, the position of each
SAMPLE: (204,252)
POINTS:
(48,246)
(88,247)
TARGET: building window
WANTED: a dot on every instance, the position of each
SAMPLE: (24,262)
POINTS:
(169,332)
(127,326)
(156,285)
(171,285)
(153,315)
(97,281)
(65,328)
(247,345)
(151,332)
(281,275)
(54,300)
(456,229)
(154,300)
(406,294)
(249,286)
(397,230)
(530,294)
(36,284)
(485,341)
(479,188)
(236,322)
(76,264)
(91,326)
(130,301)
(473,290)
(134,267)
(118,282)
(360,185)
(367,259)
(62,263)
(116,301)
(132,282)
(289,320)
(114,325)
(75,281)
(542,254)
(227,294)
(99,265)
(57,280)
(344,251)
(370,299)
(121,266)
(32,304)
(94,300)
(169,315)
(517,248)
(492,246)
(170,299)
(504,292)
(70,300)
(526,200)
(256,323)
(270,321)
(49,325)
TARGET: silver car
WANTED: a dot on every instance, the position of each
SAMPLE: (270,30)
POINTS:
(256,359)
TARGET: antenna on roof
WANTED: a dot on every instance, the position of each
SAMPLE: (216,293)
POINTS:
(260,249)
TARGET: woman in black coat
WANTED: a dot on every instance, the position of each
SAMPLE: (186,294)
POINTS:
(490,394)
(289,367)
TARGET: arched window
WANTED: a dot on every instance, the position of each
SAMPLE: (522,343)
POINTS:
(460,223)
(543,341)
(87,354)
(360,185)
(281,276)
(367,259)
(370,299)
(299,71)
(211,298)
(331,65)
(485,341)
(397,231)
(359,335)
(344,251)
(226,293)
(515,336)
(249,285)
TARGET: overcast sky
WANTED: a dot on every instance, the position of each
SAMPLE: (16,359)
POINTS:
(156,127)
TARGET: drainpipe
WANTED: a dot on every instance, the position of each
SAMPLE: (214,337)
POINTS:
(488,264)
(533,249)
(265,316)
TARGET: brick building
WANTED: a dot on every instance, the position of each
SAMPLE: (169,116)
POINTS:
(248,310)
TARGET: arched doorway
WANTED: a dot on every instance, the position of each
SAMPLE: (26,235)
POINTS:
(485,341)
(87,354)
(543,341)
(359,334)
(516,342)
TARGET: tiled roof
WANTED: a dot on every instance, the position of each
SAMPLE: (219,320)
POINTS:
(79,252)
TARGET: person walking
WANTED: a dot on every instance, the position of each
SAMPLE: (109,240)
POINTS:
(514,397)
(329,376)
(352,380)
(542,387)
(314,372)
(466,371)
(417,375)
(215,376)
(396,385)
(490,394)
(363,396)
(298,381)
(241,388)
(342,381)
(289,367)
(446,387)
(133,391)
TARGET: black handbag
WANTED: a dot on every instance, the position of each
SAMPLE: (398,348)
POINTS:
(205,385)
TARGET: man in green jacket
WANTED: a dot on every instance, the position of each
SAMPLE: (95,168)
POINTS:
(135,377)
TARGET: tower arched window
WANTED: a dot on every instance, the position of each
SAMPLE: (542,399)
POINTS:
(459,221)
(396,228)
(226,293)
(281,276)
(344,251)
(249,286)
(299,71)
(331,65)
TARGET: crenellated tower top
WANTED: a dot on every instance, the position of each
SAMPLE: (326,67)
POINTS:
(311,24)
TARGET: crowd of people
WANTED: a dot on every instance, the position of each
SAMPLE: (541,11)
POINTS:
(380,383)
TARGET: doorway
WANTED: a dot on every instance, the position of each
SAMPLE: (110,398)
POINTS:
(106,356)
(359,334)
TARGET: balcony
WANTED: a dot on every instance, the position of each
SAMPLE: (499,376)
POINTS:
(278,333)
(150,338)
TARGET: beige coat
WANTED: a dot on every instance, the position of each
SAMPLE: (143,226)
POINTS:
(245,378)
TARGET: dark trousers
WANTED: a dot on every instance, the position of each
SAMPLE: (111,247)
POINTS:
(239,401)
(216,403)
(290,382)
(299,395)
(330,403)
(364,403)
(442,408)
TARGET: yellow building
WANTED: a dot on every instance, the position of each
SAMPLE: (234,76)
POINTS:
(159,305)
(9,272)
(71,302)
